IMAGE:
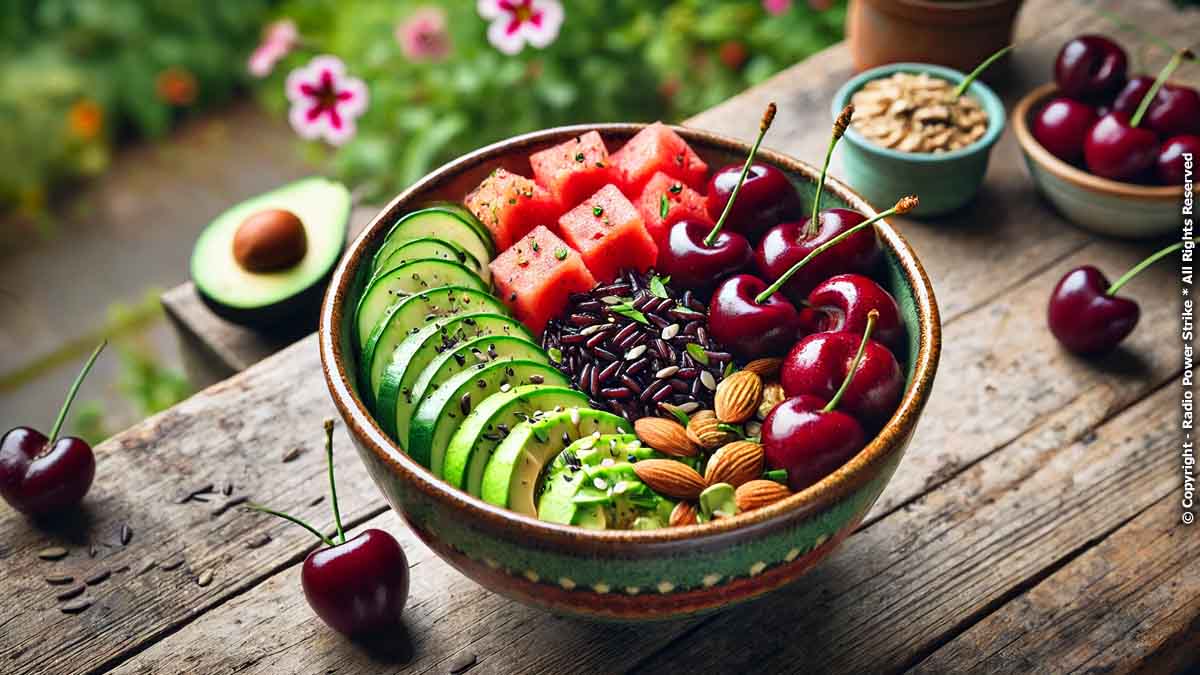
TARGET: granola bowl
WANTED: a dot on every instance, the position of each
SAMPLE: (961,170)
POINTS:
(946,179)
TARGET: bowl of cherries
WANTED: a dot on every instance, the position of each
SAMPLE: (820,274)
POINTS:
(1106,148)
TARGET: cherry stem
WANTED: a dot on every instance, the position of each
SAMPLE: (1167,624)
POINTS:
(62,412)
(839,129)
(767,118)
(337,514)
(962,86)
(1163,74)
(905,205)
(862,348)
(1136,269)
(291,519)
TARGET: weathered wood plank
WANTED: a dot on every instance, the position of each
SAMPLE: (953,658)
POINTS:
(1131,604)
(213,348)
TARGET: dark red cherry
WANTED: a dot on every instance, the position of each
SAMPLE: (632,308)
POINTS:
(1062,126)
(1115,149)
(692,263)
(843,303)
(1084,318)
(1175,111)
(358,587)
(788,243)
(810,443)
(819,363)
(41,476)
(1169,167)
(1131,95)
(1090,67)
(766,198)
(751,329)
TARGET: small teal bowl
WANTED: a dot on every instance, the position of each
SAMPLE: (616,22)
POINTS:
(944,181)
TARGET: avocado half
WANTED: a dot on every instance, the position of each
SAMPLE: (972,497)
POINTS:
(283,300)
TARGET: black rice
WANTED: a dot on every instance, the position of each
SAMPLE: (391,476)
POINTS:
(628,349)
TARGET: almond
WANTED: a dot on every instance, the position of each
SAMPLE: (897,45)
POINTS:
(736,463)
(772,396)
(738,396)
(671,478)
(759,493)
(666,436)
(704,430)
(765,367)
(683,514)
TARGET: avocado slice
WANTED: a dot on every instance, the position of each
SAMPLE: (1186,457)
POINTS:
(397,393)
(482,431)
(440,413)
(279,298)
(511,475)
(592,484)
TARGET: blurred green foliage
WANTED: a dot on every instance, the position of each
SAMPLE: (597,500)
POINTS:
(629,60)
(77,76)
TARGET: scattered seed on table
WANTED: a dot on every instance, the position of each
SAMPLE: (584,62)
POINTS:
(97,577)
(52,553)
(172,564)
(92,551)
(291,455)
(205,578)
(75,607)
(203,488)
(227,490)
(229,504)
(71,593)
(462,663)
(59,579)
(126,534)
(259,541)
(317,500)
(147,565)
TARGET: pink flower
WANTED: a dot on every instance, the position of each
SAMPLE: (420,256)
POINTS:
(423,37)
(777,7)
(516,22)
(279,38)
(325,101)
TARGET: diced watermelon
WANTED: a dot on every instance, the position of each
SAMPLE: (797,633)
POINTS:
(510,205)
(608,232)
(664,193)
(537,274)
(573,170)
(657,148)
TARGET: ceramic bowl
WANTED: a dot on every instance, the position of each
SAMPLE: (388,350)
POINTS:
(1098,204)
(945,181)
(628,575)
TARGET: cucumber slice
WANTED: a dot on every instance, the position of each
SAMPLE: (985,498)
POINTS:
(408,279)
(512,473)
(571,495)
(440,222)
(431,247)
(472,445)
(410,315)
(486,347)
(441,412)
(397,397)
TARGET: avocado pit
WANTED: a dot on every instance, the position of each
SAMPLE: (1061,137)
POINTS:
(269,241)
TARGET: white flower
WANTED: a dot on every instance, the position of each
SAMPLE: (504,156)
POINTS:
(517,22)
(325,101)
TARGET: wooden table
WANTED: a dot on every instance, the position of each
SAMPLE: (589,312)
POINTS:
(1033,525)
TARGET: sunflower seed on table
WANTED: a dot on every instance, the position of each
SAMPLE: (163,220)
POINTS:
(75,607)
(52,553)
(58,579)
(70,593)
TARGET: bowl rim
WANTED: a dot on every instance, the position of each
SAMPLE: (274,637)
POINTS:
(1071,174)
(851,476)
(987,96)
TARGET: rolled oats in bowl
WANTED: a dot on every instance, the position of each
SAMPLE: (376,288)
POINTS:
(917,112)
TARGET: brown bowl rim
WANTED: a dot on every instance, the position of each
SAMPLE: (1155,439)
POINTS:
(1074,175)
(856,473)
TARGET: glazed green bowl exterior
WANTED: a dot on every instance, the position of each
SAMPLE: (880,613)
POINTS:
(627,575)
(945,181)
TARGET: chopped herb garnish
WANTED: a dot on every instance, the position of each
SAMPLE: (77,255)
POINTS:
(729,368)
(626,309)
(683,417)
(664,207)
(555,354)
(597,211)
(658,286)
(697,353)
(561,253)
(579,157)
(777,475)
(686,311)
(732,429)
(676,188)
(536,247)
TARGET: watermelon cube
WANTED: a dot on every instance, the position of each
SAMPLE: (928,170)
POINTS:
(536,276)
(669,196)
(657,148)
(510,205)
(608,232)
(573,170)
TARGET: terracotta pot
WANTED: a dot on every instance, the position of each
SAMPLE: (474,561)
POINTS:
(946,33)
